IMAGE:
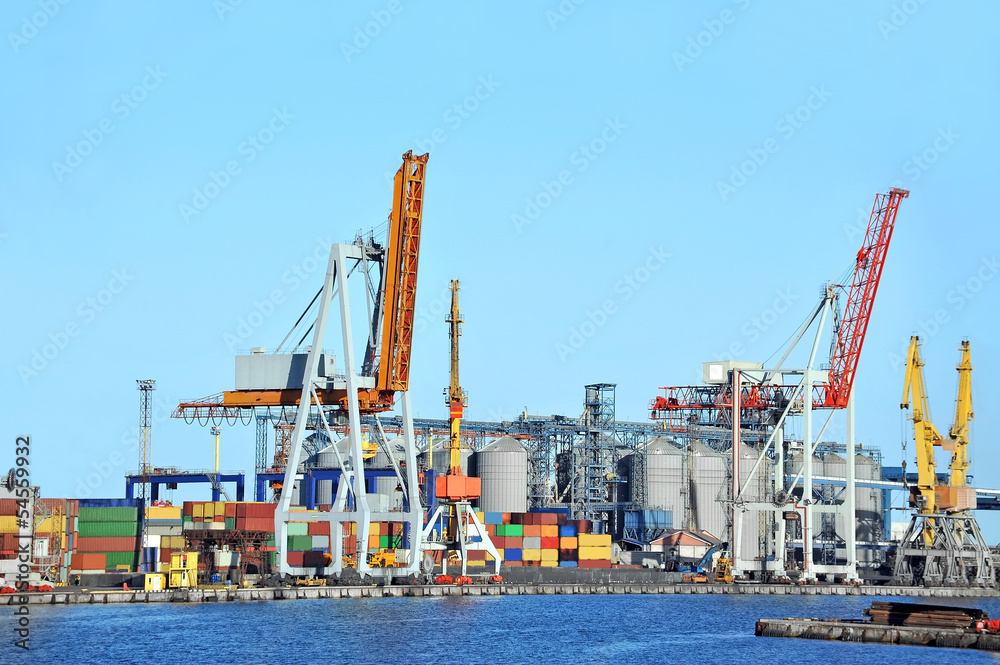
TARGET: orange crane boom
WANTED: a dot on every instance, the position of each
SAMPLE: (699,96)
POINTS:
(394,315)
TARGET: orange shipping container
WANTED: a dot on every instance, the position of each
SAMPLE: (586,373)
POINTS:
(550,531)
(532,531)
(568,543)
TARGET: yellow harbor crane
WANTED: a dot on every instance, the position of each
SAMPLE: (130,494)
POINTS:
(925,434)
(943,544)
(958,437)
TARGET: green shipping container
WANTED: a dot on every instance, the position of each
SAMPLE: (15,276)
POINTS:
(383,542)
(187,518)
(270,542)
(106,529)
(119,559)
(298,529)
(299,543)
(512,530)
(230,523)
(108,515)
(395,542)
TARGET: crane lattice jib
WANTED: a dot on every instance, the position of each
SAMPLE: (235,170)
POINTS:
(867,273)
(401,280)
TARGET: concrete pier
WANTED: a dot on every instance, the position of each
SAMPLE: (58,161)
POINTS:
(67,596)
(864,631)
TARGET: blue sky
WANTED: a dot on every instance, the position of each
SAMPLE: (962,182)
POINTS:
(165,168)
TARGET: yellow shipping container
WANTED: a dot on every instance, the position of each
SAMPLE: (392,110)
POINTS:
(550,563)
(481,517)
(51,525)
(489,557)
(594,553)
(531,555)
(8,524)
(220,508)
(209,511)
(375,529)
(199,512)
(567,543)
(550,555)
(164,513)
(550,531)
(594,540)
(475,564)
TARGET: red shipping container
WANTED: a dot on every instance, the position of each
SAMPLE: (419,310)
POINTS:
(219,518)
(106,544)
(260,510)
(347,527)
(582,526)
(515,518)
(8,542)
(188,508)
(498,542)
(550,543)
(88,561)
(513,543)
(319,528)
(165,554)
(604,563)
(513,564)
(532,531)
(230,510)
(476,555)
(8,507)
(241,524)
(548,518)
(294,558)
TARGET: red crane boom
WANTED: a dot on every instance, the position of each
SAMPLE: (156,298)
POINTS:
(867,273)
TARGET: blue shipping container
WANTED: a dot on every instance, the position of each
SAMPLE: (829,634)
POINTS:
(109,503)
(567,564)
(568,531)
(492,518)
(512,555)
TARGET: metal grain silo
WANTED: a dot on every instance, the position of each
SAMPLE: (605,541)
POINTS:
(753,490)
(869,500)
(389,486)
(502,466)
(709,476)
(665,477)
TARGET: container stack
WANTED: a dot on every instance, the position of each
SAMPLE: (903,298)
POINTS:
(164,534)
(546,539)
(107,529)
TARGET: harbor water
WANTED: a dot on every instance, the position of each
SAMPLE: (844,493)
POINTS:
(482,629)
